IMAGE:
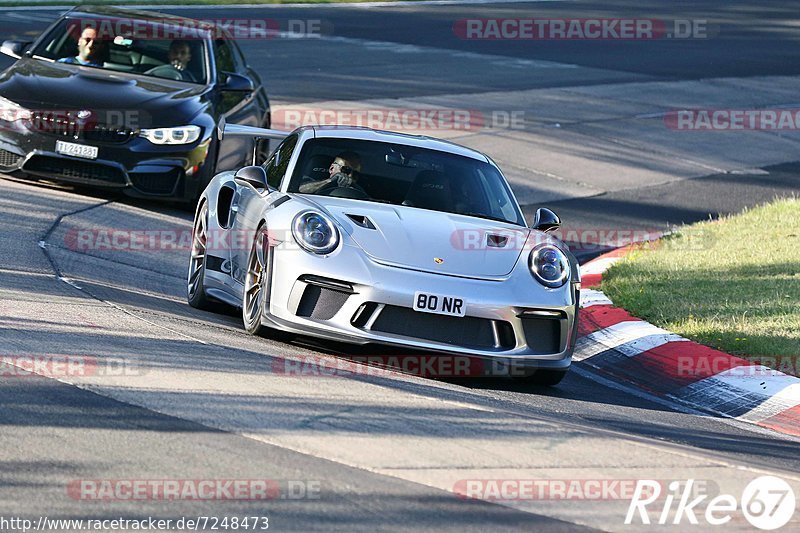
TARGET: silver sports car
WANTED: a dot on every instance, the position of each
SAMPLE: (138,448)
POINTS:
(368,236)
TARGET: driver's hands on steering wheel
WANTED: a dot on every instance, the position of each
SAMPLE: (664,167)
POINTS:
(343,180)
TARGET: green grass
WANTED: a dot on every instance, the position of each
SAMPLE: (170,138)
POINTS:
(13,3)
(732,284)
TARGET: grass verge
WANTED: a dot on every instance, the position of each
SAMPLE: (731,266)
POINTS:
(732,284)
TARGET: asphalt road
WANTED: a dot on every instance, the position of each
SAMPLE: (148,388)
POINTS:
(201,407)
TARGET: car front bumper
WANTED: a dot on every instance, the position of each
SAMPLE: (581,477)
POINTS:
(135,166)
(355,299)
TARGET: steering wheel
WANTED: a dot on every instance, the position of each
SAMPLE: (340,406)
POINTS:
(171,73)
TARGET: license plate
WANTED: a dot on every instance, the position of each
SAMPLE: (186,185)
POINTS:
(76,150)
(439,304)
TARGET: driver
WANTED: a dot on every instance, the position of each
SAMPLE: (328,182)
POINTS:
(343,172)
(180,53)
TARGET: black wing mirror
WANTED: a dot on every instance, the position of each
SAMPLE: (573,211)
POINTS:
(237,83)
(14,48)
(254,176)
(546,220)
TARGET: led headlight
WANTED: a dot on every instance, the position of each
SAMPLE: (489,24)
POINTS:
(315,232)
(12,111)
(177,135)
(549,265)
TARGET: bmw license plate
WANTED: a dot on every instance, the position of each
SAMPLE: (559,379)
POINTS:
(76,150)
(439,304)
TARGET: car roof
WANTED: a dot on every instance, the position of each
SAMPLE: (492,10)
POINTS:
(422,141)
(151,16)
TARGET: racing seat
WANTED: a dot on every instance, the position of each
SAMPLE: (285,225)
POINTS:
(316,168)
(430,190)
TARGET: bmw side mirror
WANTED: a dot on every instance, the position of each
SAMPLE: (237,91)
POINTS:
(236,83)
(546,220)
(14,48)
(254,176)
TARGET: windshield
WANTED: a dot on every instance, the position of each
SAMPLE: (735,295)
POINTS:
(142,47)
(404,175)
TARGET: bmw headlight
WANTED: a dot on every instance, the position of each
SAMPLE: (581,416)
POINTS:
(177,135)
(549,265)
(315,232)
(12,111)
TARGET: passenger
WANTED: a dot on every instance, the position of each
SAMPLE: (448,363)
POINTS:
(343,172)
(91,50)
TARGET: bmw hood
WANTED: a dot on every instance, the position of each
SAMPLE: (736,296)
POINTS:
(430,241)
(42,85)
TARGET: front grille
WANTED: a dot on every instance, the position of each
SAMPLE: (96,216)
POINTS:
(9,159)
(66,124)
(321,303)
(156,182)
(461,331)
(84,171)
(543,334)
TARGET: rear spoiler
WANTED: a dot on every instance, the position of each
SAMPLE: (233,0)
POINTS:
(251,132)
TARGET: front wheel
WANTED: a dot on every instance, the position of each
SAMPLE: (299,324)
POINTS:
(256,284)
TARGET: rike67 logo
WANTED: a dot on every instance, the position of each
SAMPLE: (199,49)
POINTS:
(767,502)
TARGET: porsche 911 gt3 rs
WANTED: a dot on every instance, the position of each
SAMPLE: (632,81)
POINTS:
(405,240)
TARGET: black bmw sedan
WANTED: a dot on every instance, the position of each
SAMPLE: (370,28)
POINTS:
(128,100)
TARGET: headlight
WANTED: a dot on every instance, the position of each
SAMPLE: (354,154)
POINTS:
(315,232)
(177,135)
(11,111)
(549,265)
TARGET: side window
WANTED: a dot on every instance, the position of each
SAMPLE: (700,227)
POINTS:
(223,57)
(275,172)
(238,58)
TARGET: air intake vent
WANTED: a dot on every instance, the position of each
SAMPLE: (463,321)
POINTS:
(496,241)
(362,221)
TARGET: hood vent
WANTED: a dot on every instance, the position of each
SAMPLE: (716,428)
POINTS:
(496,241)
(361,220)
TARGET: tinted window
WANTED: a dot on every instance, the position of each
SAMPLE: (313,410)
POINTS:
(275,172)
(223,56)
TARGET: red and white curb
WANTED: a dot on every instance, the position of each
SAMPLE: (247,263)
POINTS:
(616,345)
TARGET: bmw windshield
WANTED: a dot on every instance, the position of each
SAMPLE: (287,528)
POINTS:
(143,47)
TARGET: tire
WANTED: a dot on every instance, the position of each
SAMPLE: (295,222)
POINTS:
(545,377)
(195,288)
(256,284)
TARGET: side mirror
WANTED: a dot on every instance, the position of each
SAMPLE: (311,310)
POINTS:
(14,48)
(546,220)
(237,83)
(253,175)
